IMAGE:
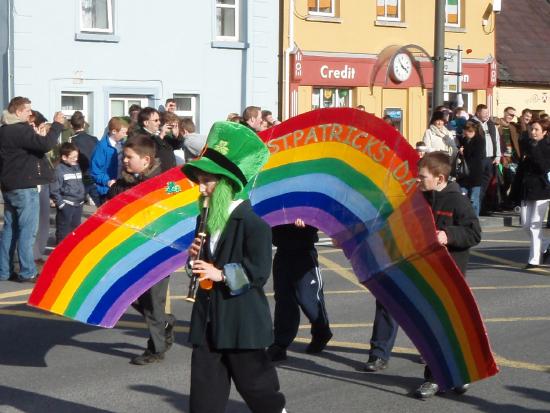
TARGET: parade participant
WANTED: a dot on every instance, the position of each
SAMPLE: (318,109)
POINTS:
(231,322)
(67,191)
(139,165)
(457,227)
(24,166)
(297,283)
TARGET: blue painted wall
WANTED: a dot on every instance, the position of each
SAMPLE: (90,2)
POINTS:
(158,48)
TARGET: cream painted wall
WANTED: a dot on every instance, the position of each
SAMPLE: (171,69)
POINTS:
(357,32)
(521,98)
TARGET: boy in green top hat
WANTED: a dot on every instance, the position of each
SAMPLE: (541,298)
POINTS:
(231,323)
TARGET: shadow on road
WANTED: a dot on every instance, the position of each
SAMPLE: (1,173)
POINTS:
(30,402)
(180,401)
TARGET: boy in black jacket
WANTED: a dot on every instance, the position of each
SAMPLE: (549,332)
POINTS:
(67,191)
(456,223)
(140,164)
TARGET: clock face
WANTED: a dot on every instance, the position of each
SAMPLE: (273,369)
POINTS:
(401,68)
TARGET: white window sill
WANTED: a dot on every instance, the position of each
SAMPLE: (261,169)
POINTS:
(390,23)
(455,29)
(97,37)
(323,19)
(220,44)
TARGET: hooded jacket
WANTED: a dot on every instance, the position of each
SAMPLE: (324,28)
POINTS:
(454,214)
(23,158)
(67,187)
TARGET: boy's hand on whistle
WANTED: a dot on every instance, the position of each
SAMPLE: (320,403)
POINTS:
(206,271)
(194,248)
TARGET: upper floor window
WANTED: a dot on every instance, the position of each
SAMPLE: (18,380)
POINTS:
(227,19)
(96,16)
(452,13)
(388,10)
(321,7)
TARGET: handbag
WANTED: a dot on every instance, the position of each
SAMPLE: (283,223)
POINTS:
(462,170)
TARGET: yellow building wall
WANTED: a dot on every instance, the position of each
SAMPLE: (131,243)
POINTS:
(358,32)
(521,98)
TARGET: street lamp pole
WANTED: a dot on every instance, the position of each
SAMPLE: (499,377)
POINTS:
(439,53)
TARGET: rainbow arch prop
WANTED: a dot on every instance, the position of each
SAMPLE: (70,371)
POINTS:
(341,170)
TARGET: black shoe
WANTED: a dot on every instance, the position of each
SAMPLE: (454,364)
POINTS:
(426,390)
(375,364)
(276,352)
(545,256)
(318,343)
(147,357)
(531,267)
(169,333)
(27,280)
(462,389)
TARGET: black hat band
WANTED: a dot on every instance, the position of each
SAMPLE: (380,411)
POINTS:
(225,163)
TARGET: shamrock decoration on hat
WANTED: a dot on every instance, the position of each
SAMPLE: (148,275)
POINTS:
(232,150)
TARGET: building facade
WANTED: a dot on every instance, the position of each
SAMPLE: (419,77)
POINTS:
(101,56)
(378,54)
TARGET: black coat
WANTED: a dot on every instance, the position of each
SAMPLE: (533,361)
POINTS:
(474,153)
(242,321)
(534,168)
(23,155)
(86,145)
(454,214)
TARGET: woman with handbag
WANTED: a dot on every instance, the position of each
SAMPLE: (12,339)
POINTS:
(535,189)
(469,164)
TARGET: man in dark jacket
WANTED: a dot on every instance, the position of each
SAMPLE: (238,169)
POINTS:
(86,145)
(24,166)
(149,123)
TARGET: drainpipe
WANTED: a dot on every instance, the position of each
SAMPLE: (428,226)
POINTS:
(288,50)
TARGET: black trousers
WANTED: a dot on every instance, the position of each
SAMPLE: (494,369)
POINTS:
(151,304)
(297,283)
(254,376)
(384,331)
(487,173)
(67,220)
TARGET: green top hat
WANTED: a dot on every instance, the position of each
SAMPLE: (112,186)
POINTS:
(232,150)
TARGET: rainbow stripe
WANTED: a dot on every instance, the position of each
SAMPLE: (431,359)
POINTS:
(342,170)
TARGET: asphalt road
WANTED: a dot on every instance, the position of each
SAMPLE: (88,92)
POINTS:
(49,364)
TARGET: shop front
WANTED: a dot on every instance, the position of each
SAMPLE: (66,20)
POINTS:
(396,83)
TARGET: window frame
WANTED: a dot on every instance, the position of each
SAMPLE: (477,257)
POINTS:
(385,18)
(144,101)
(237,8)
(109,30)
(85,103)
(336,90)
(459,14)
(322,13)
(193,113)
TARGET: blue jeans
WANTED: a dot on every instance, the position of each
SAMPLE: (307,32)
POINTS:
(21,207)
(474,194)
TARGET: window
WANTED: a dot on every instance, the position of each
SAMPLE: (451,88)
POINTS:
(321,7)
(330,98)
(227,19)
(73,101)
(96,16)
(119,104)
(389,10)
(452,13)
(187,106)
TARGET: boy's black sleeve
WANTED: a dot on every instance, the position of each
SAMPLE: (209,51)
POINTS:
(465,231)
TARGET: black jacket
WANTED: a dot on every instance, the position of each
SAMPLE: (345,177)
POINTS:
(128,180)
(290,237)
(474,154)
(86,145)
(242,321)
(67,185)
(533,169)
(23,155)
(454,214)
